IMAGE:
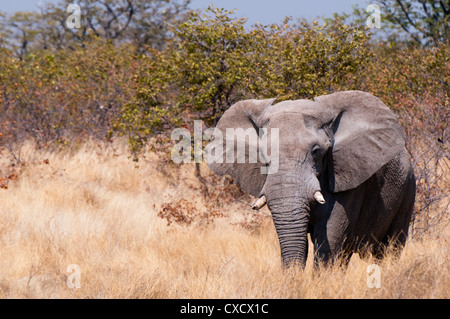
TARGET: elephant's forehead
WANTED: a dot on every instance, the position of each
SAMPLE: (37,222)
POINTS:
(289,115)
(288,122)
(292,130)
(291,107)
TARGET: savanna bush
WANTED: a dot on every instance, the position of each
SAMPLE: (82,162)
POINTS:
(215,60)
(57,98)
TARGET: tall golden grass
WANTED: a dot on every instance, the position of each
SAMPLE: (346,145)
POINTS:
(94,208)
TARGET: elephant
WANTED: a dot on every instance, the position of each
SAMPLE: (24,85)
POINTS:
(343,174)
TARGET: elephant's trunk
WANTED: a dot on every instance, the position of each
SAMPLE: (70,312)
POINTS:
(291,218)
(290,194)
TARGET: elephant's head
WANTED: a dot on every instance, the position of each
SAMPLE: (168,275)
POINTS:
(325,146)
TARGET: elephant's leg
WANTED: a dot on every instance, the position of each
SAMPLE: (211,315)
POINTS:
(334,225)
(330,241)
(318,230)
(323,254)
(322,251)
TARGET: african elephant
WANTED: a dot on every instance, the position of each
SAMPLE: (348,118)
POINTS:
(344,174)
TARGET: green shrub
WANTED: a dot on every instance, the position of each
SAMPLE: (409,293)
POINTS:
(214,60)
(58,98)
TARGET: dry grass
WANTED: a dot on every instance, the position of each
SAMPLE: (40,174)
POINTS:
(95,209)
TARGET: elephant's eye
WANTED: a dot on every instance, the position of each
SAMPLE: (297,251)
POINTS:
(316,151)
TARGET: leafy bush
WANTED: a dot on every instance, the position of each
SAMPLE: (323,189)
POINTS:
(214,61)
(140,23)
(58,98)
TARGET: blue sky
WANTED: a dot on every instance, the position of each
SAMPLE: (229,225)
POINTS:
(266,12)
(261,11)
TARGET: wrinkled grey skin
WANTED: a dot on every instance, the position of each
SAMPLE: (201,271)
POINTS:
(349,146)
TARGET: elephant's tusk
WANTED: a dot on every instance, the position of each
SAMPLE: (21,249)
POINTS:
(319,197)
(260,203)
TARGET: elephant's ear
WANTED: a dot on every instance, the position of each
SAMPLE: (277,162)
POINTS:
(240,124)
(366,136)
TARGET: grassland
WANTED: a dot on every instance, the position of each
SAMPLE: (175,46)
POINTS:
(94,208)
